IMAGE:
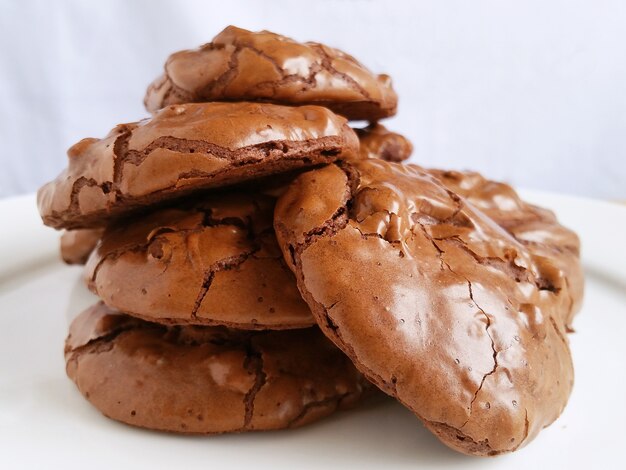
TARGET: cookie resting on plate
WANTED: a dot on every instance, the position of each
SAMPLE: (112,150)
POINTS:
(433,300)
(203,379)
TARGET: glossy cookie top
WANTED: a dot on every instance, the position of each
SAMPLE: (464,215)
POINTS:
(376,141)
(241,65)
(213,261)
(206,379)
(534,227)
(185,148)
(432,300)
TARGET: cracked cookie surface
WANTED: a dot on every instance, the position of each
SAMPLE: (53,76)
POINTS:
(534,227)
(240,65)
(184,148)
(204,380)
(434,302)
(376,141)
(213,260)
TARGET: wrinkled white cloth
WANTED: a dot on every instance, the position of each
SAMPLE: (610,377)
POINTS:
(529,92)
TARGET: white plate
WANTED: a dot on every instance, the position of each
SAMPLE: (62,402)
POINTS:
(45,423)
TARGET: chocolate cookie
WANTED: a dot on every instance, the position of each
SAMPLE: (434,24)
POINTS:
(206,379)
(241,65)
(184,148)
(376,141)
(211,262)
(77,245)
(535,227)
(431,299)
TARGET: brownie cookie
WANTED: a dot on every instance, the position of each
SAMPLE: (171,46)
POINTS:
(432,300)
(187,147)
(210,262)
(241,65)
(376,141)
(535,227)
(206,379)
(77,245)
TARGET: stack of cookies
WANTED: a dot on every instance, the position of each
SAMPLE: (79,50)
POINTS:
(261,264)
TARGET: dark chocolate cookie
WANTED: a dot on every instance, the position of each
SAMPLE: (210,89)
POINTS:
(376,141)
(77,245)
(241,65)
(215,261)
(535,227)
(185,148)
(206,379)
(432,300)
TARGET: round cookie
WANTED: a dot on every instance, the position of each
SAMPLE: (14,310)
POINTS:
(376,141)
(432,300)
(535,227)
(241,65)
(77,245)
(206,380)
(211,261)
(185,148)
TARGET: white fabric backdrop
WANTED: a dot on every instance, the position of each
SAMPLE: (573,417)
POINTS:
(532,92)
